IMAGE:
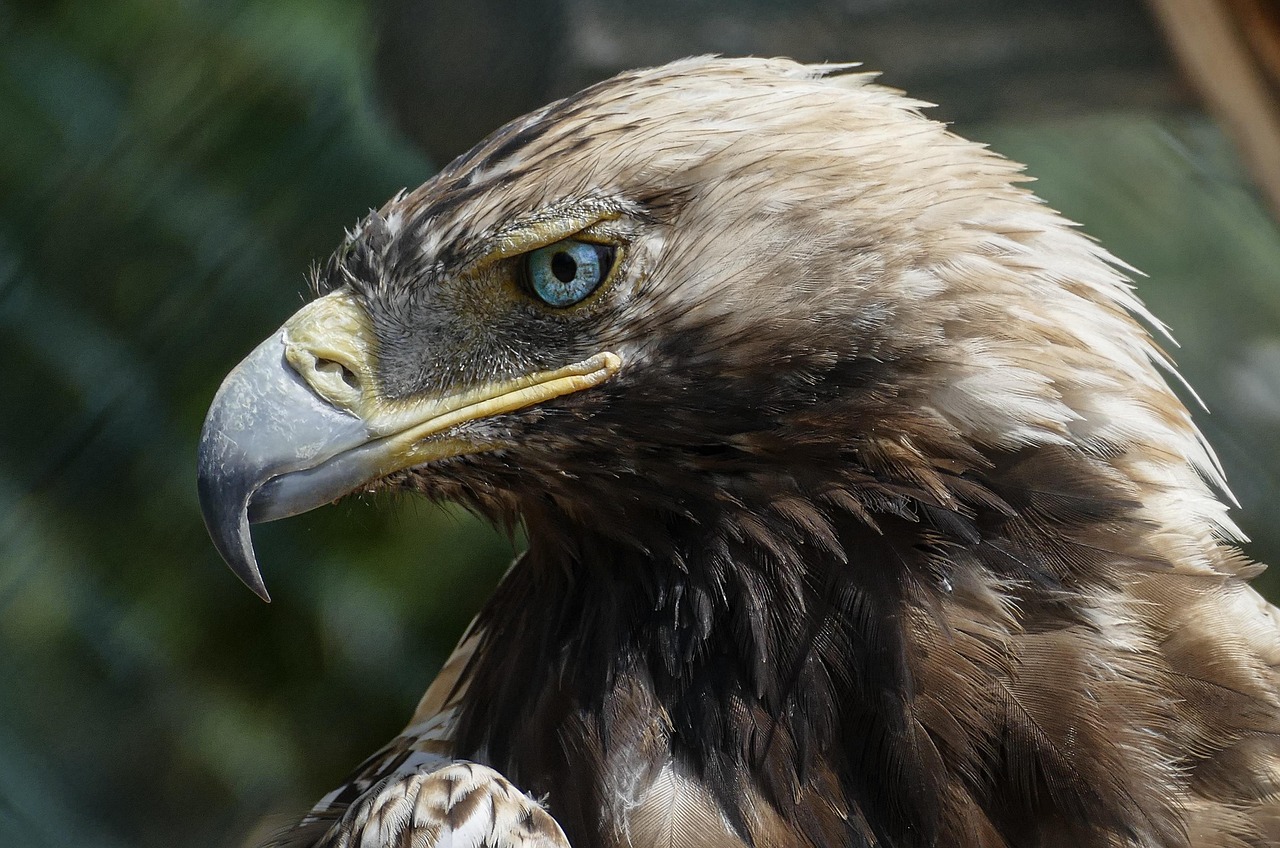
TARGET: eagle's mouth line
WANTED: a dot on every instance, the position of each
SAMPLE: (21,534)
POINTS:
(413,444)
(512,396)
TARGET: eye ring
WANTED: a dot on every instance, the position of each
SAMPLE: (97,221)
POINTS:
(567,272)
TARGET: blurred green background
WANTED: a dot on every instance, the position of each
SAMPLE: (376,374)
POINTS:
(168,171)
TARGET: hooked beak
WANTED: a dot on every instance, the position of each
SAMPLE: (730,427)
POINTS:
(300,423)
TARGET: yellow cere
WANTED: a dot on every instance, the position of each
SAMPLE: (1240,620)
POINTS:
(330,344)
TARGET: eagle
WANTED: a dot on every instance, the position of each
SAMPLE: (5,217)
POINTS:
(860,510)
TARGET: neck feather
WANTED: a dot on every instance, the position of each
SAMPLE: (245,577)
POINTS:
(766,645)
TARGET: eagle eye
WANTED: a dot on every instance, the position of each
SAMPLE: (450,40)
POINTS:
(566,272)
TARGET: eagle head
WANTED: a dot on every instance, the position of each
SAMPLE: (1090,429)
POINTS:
(718,281)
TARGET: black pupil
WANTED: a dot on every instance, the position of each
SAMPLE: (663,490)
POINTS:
(563,266)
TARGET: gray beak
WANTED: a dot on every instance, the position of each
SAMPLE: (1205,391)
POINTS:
(265,423)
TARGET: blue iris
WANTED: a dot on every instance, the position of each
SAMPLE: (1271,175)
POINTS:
(564,273)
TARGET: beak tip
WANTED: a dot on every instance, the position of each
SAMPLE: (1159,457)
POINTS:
(237,552)
(252,579)
(246,568)
(244,563)
(226,518)
(260,590)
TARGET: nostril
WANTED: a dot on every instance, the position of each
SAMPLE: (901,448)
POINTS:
(335,368)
